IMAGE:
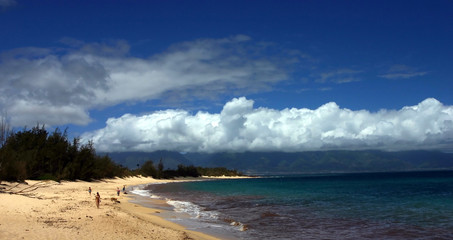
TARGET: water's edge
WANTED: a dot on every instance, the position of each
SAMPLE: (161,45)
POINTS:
(168,210)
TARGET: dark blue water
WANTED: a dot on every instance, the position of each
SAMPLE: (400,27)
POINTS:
(409,205)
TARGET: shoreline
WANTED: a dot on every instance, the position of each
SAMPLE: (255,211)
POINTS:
(52,210)
(161,208)
(160,211)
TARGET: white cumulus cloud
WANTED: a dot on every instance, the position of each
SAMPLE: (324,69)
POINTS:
(241,127)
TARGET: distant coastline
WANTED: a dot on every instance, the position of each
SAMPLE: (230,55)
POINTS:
(251,163)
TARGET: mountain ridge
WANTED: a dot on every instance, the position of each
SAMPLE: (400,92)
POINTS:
(301,162)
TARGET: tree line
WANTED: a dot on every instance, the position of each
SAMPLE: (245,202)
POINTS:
(37,154)
(148,169)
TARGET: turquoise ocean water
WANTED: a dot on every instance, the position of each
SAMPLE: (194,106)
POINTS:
(404,205)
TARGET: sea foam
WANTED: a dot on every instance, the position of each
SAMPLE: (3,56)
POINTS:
(139,190)
(193,210)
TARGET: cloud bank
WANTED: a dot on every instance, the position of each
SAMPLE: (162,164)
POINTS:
(57,86)
(241,127)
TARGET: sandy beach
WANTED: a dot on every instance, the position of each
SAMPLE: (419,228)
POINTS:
(66,210)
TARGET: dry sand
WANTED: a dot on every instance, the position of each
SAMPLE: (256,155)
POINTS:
(51,210)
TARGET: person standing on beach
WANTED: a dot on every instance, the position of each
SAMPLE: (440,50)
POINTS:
(118,191)
(89,190)
(98,199)
(124,188)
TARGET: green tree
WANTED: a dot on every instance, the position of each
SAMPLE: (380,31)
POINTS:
(148,169)
(37,155)
(187,171)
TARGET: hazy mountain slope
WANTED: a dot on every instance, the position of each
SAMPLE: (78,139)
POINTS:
(131,159)
(316,161)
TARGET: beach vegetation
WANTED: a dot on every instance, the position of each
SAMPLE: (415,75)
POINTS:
(188,171)
(218,171)
(37,154)
(148,169)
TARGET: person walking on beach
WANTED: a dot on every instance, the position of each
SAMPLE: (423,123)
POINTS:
(124,188)
(89,190)
(98,199)
(118,191)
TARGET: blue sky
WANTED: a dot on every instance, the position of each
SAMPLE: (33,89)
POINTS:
(224,75)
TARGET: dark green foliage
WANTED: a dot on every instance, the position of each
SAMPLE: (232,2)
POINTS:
(170,173)
(148,169)
(104,167)
(36,154)
(189,171)
(217,171)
